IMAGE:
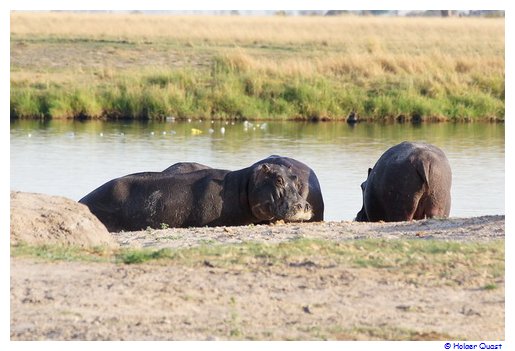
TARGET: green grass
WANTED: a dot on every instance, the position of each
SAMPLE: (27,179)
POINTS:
(62,253)
(230,93)
(418,261)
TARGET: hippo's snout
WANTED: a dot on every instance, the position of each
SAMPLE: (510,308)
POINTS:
(299,212)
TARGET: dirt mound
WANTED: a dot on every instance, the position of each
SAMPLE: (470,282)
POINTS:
(43,219)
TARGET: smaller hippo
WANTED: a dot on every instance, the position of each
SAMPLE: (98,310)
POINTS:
(185,167)
(409,181)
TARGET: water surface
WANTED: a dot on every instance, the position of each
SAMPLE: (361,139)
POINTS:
(72,158)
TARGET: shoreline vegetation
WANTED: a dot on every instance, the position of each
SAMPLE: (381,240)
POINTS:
(134,66)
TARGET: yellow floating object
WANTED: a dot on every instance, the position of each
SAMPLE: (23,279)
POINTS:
(195,131)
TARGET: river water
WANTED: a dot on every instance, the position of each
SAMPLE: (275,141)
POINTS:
(72,158)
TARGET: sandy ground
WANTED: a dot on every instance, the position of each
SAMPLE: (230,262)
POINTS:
(300,301)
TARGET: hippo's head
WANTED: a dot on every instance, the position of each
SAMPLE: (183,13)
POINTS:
(362,214)
(274,194)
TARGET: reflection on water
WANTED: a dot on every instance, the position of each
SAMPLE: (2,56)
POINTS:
(72,158)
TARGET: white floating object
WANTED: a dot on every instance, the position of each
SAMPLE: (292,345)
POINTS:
(211,130)
(222,130)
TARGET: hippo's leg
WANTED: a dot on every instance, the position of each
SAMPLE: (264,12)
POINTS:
(430,207)
(404,208)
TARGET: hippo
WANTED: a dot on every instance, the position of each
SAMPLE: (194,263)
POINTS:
(309,187)
(205,197)
(185,167)
(410,181)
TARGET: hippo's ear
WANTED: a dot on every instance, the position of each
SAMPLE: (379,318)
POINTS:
(369,170)
(265,168)
(261,172)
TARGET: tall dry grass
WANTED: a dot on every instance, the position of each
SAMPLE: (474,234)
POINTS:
(353,34)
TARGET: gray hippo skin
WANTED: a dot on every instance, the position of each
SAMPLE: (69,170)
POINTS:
(307,181)
(185,167)
(309,187)
(207,197)
(409,181)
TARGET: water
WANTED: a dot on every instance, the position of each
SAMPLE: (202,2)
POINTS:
(72,158)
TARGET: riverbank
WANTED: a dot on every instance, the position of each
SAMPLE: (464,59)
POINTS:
(312,69)
(438,279)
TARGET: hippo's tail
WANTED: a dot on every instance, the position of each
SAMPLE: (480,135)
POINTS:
(423,168)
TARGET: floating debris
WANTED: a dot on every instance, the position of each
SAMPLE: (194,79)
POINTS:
(195,131)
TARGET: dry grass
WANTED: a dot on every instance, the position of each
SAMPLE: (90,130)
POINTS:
(354,34)
(368,45)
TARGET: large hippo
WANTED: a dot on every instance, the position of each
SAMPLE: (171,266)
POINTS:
(207,197)
(307,181)
(409,181)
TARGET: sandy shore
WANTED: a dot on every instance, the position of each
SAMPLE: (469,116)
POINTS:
(107,301)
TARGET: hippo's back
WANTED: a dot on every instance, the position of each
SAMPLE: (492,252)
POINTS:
(411,180)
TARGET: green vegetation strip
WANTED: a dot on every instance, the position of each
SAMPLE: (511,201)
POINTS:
(445,260)
(232,91)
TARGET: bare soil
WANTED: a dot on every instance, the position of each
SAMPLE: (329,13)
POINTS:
(302,301)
